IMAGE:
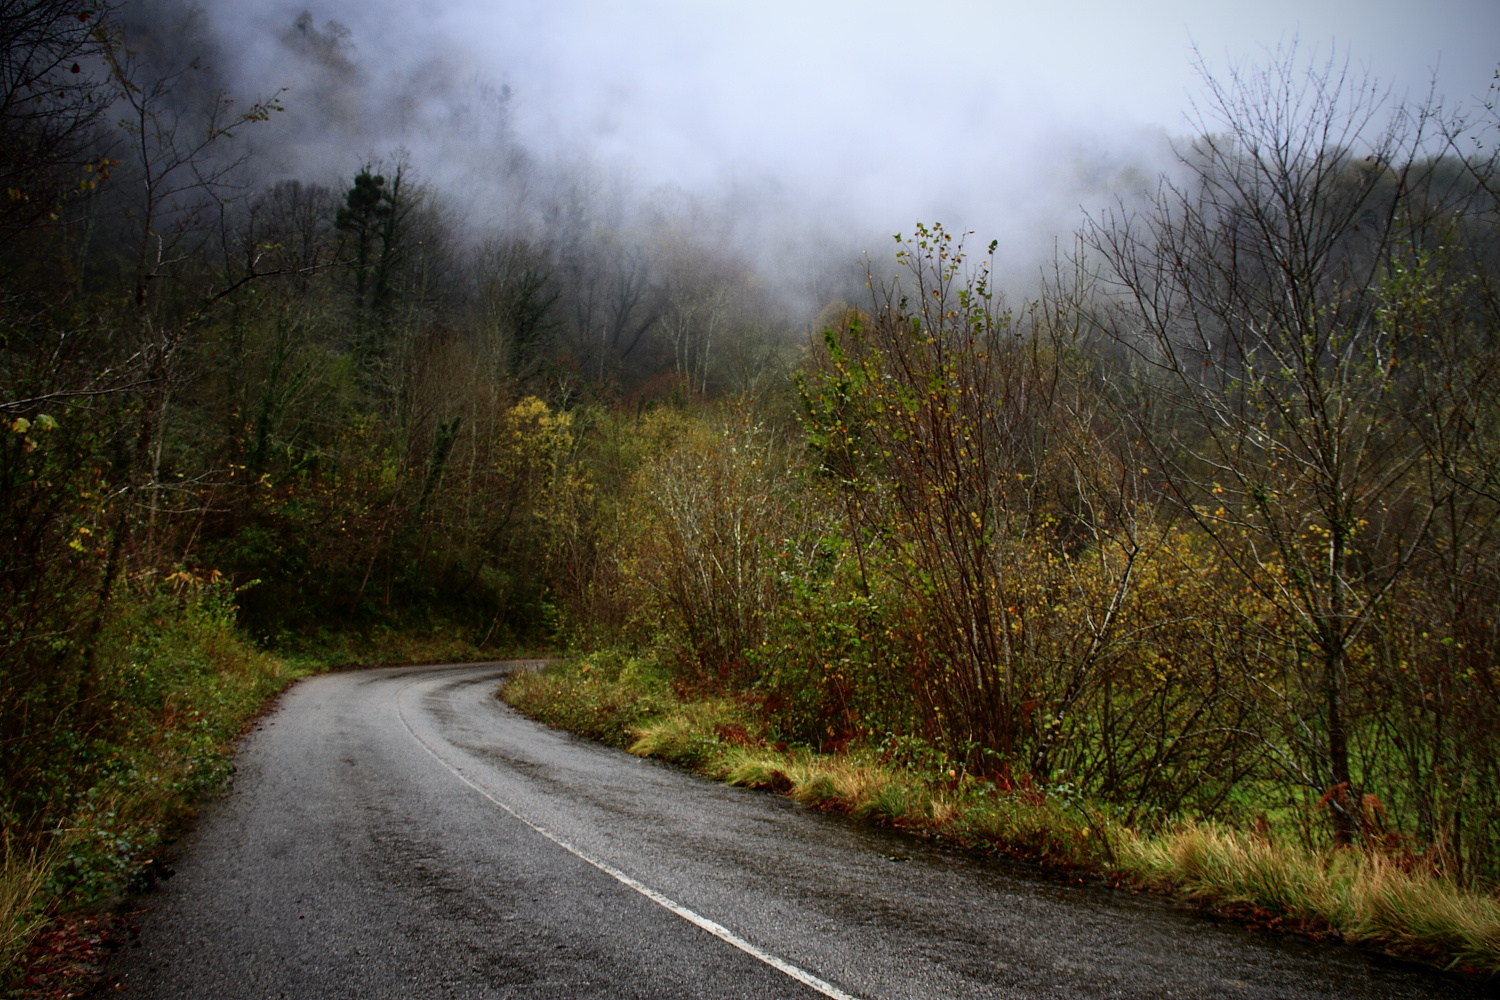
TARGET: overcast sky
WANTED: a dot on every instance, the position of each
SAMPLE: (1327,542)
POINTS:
(686,87)
(1001,116)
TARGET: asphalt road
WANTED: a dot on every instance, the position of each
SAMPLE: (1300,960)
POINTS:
(402,834)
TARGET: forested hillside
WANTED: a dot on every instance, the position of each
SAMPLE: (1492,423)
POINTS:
(312,413)
(1203,529)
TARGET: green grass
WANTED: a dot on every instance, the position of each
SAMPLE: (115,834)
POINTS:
(1363,896)
(604,697)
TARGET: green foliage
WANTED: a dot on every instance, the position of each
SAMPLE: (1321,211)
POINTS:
(829,673)
(174,682)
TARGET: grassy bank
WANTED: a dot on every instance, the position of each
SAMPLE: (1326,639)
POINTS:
(1379,899)
(173,684)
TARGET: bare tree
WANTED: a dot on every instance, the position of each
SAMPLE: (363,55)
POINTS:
(180,176)
(695,321)
(1250,297)
(516,297)
(51,104)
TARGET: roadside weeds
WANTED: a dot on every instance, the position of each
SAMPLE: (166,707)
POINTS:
(146,788)
(1363,896)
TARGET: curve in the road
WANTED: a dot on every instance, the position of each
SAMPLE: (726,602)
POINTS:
(381,841)
(698,920)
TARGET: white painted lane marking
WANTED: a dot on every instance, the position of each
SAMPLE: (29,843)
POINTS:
(716,929)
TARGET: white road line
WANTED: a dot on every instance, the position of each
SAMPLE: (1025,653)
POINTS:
(716,929)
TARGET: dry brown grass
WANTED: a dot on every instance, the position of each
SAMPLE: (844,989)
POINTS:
(1363,896)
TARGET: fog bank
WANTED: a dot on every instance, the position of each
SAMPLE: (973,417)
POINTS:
(790,129)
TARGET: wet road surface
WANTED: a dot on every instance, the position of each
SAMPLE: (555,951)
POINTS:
(400,833)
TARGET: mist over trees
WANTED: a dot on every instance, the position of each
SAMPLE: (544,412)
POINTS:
(1203,528)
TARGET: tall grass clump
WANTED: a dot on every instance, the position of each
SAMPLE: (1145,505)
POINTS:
(23,883)
(1367,896)
(605,696)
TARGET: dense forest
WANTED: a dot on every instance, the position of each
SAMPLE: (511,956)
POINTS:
(1205,527)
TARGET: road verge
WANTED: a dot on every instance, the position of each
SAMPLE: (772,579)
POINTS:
(1374,896)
